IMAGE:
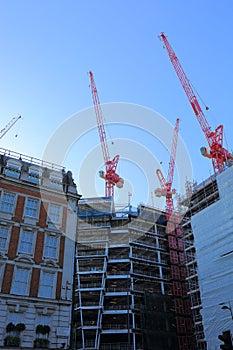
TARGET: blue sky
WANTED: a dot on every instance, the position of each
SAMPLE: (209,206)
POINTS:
(47,48)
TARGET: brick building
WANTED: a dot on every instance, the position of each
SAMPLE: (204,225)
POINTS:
(37,233)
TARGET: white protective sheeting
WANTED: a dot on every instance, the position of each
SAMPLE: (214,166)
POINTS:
(213,239)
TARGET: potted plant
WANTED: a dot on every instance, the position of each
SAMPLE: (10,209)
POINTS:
(12,340)
(39,329)
(41,343)
(42,329)
(20,327)
(46,329)
(10,327)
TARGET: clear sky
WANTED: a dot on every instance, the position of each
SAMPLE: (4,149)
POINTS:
(47,48)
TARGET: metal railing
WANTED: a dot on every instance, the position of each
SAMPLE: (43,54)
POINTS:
(116,289)
(118,272)
(91,252)
(30,160)
(119,346)
(115,326)
(90,285)
(116,307)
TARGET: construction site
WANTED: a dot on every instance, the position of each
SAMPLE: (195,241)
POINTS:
(153,273)
(130,288)
(83,273)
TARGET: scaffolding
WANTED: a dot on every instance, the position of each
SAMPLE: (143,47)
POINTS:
(198,197)
(123,267)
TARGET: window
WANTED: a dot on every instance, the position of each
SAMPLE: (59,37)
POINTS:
(13,169)
(15,317)
(3,236)
(56,181)
(50,249)
(44,320)
(34,175)
(46,284)
(26,240)
(20,281)
(32,208)
(54,213)
(7,202)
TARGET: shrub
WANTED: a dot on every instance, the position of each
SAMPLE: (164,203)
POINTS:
(39,329)
(20,327)
(10,327)
(12,341)
(46,329)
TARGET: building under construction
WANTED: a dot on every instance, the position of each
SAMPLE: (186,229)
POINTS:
(129,293)
(208,244)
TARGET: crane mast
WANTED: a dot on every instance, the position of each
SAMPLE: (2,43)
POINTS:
(110,176)
(173,154)
(217,153)
(9,125)
(166,186)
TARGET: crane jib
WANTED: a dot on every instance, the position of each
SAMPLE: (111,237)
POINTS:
(218,154)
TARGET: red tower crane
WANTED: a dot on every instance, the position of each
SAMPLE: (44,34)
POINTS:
(9,125)
(216,152)
(166,186)
(110,176)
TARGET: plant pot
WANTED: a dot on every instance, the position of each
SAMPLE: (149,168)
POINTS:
(41,343)
(12,341)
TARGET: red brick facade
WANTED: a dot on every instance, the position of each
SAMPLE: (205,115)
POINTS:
(61,251)
(32,249)
(7,278)
(19,209)
(59,282)
(43,214)
(35,282)
(39,242)
(13,245)
(39,247)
